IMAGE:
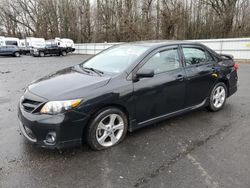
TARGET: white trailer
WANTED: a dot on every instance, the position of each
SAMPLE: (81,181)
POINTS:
(12,41)
(66,43)
(2,41)
(32,42)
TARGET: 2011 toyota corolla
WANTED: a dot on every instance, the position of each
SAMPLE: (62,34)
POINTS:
(124,88)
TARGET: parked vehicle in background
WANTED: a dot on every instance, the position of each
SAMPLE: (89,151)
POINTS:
(68,43)
(10,50)
(2,41)
(9,41)
(51,48)
(23,47)
(31,42)
(12,41)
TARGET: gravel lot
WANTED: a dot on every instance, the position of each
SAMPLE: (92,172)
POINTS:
(199,149)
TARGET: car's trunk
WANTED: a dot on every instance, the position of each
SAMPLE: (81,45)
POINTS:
(227,60)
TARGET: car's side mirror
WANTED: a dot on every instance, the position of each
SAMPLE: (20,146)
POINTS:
(144,73)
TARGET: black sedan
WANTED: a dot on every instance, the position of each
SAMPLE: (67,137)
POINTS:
(10,50)
(124,88)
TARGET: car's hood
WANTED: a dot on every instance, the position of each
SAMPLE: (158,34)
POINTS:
(69,83)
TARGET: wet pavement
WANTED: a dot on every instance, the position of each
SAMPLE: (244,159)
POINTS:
(198,149)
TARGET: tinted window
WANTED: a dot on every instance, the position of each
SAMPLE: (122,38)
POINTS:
(116,59)
(163,61)
(11,47)
(196,56)
(11,43)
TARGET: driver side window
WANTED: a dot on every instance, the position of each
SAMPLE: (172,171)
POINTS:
(163,61)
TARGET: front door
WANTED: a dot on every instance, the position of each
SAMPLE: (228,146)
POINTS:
(165,92)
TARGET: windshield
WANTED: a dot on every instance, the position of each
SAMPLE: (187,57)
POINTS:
(116,59)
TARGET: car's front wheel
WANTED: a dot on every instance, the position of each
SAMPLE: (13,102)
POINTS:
(108,128)
(218,97)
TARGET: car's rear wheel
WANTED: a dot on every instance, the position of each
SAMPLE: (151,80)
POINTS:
(218,97)
(108,128)
(41,54)
(17,54)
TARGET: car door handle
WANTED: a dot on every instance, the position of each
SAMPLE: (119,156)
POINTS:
(180,78)
(208,70)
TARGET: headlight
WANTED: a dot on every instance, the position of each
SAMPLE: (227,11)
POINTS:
(56,107)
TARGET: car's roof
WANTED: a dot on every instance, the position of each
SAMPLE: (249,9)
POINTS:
(159,43)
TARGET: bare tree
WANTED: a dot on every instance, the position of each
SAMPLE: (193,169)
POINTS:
(125,20)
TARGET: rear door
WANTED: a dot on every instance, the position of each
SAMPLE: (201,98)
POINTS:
(47,49)
(54,48)
(2,50)
(165,92)
(199,67)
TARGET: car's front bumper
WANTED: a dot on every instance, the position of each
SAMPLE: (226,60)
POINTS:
(67,127)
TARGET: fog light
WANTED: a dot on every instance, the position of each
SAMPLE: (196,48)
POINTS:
(51,138)
(29,132)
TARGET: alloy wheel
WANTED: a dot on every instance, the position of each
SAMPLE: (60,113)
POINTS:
(219,96)
(110,130)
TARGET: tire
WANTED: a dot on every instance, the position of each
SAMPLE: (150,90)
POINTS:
(64,53)
(41,54)
(17,54)
(218,97)
(103,131)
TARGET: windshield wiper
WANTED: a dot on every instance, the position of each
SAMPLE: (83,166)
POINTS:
(85,70)
(100,73)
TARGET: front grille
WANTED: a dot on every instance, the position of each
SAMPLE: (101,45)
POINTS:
(30,105)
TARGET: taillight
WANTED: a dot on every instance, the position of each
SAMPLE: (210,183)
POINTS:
(236,66)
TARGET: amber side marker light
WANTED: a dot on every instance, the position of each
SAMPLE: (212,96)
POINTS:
(236,66)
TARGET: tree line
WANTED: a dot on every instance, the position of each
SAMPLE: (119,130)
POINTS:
(125,20)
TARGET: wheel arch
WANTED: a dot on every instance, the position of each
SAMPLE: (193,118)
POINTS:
(96,111)
(226,82)
(223,80)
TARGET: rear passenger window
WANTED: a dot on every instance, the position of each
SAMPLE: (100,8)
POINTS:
(194,56)
(163,61)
